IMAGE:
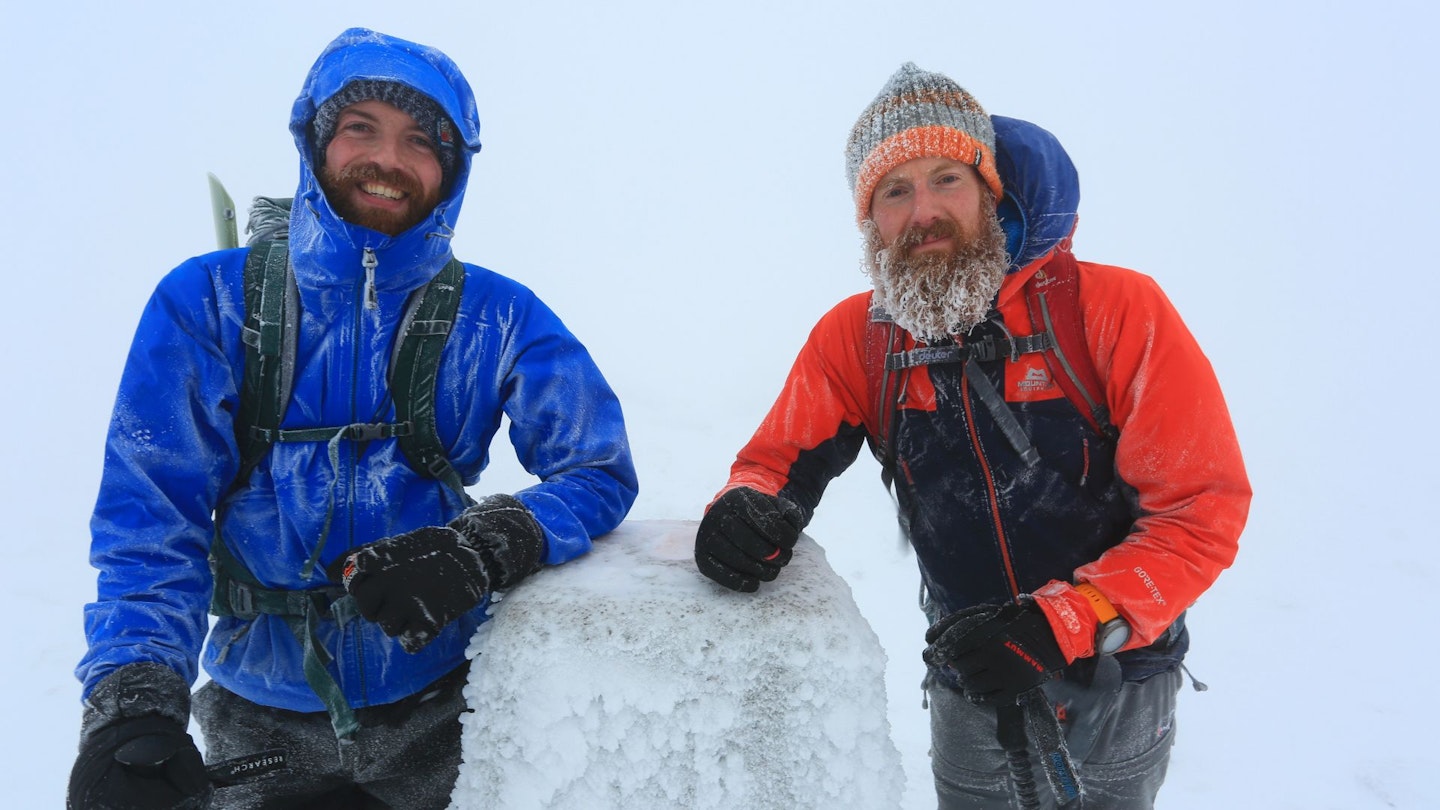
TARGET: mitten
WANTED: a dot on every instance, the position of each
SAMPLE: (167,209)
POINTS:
(414,584)
(746,537)
(134,750)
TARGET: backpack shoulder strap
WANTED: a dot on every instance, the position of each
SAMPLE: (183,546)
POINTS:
(1053,295)
(882,339)
(414,366)
(272,315)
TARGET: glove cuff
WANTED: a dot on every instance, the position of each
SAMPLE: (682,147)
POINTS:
(506,536)
(135,690)
(1071,618)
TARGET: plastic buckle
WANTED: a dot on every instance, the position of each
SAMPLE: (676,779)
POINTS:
(242,601)
(984,350)
(365,432)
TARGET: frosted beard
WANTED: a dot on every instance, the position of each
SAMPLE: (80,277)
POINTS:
(338,185)
(936,295)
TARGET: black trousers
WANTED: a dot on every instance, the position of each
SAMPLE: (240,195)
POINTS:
(405,755)
(1127,735)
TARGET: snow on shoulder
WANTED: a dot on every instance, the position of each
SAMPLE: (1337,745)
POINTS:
(627,679)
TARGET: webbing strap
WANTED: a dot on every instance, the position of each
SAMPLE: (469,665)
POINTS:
(237,593)
(414,363)
(1043,729)
(885,386)
(1001,413)
(926,356)
(358,432)
(1053,295)
(984,349)
(272,314)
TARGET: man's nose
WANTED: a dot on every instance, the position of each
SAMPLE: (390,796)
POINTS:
(927,207)
(386,153)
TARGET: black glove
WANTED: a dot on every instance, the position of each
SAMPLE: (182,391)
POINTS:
(134,752)
(414,584)
(997,652)
(746,538)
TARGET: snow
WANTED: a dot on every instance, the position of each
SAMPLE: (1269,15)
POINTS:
(670,179)
(633,682)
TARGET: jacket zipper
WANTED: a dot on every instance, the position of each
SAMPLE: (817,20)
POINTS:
(992,496)
(368,299)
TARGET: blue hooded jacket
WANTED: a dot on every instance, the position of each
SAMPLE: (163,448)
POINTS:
(171,453)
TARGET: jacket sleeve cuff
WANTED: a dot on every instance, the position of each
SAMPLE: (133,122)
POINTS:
(1071,618)
(134,690)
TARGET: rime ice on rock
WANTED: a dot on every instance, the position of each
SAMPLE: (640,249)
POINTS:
(625,679)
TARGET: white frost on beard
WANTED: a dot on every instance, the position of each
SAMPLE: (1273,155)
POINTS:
(933,297)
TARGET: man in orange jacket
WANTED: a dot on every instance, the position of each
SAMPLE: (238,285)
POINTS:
(1065,467)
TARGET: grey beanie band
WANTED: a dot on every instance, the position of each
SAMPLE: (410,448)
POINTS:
(427,114)
(918,114)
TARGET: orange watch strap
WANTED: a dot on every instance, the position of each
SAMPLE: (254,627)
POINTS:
(1104,611)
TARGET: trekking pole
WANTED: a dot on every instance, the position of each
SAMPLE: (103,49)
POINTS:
(1010,731)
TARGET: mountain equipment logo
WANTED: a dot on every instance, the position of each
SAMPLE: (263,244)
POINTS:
(1036,379)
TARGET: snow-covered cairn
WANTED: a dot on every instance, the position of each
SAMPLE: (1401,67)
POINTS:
(628,680)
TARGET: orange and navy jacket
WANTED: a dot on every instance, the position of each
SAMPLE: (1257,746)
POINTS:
(1149,519)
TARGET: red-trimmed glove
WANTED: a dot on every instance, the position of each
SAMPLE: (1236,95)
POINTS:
(414,584)
(996,652)
(746,538)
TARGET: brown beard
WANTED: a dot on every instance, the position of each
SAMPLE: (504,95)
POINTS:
(418,206)
(936,295)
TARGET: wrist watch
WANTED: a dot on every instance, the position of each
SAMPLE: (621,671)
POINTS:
(1113,632)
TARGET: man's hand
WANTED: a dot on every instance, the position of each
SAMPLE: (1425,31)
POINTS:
(134,752)
(746,538)
(414,584)
(997,652)
(139,762)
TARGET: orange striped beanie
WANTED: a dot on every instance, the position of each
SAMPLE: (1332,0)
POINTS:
(918,114)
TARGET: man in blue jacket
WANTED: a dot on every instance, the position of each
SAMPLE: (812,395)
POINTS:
(352,582)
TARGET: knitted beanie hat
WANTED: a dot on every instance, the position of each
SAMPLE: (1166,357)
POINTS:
(427,114)
(918,114)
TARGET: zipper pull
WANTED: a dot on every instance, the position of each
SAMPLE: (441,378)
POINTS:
(369,262)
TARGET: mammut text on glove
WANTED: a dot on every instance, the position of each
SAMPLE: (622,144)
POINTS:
(746,538)
(997,652)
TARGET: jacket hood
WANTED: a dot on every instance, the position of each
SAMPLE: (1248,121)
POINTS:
(1042,190)
(324,249)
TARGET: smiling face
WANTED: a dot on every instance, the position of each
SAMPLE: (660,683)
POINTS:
(380,168)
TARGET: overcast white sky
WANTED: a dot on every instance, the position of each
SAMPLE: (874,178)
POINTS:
(669,178)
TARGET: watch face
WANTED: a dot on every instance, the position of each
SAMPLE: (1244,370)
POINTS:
(1113,635)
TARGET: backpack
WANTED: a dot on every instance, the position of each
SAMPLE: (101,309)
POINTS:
(272,319)
(272,314)
(1053,296)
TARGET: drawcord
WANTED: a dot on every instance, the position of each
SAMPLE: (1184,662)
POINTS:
(333,451)
(924,599)
(1195,683)
(359,431)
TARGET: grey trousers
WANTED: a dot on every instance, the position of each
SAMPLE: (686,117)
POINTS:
(1120,741)
(405,755)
